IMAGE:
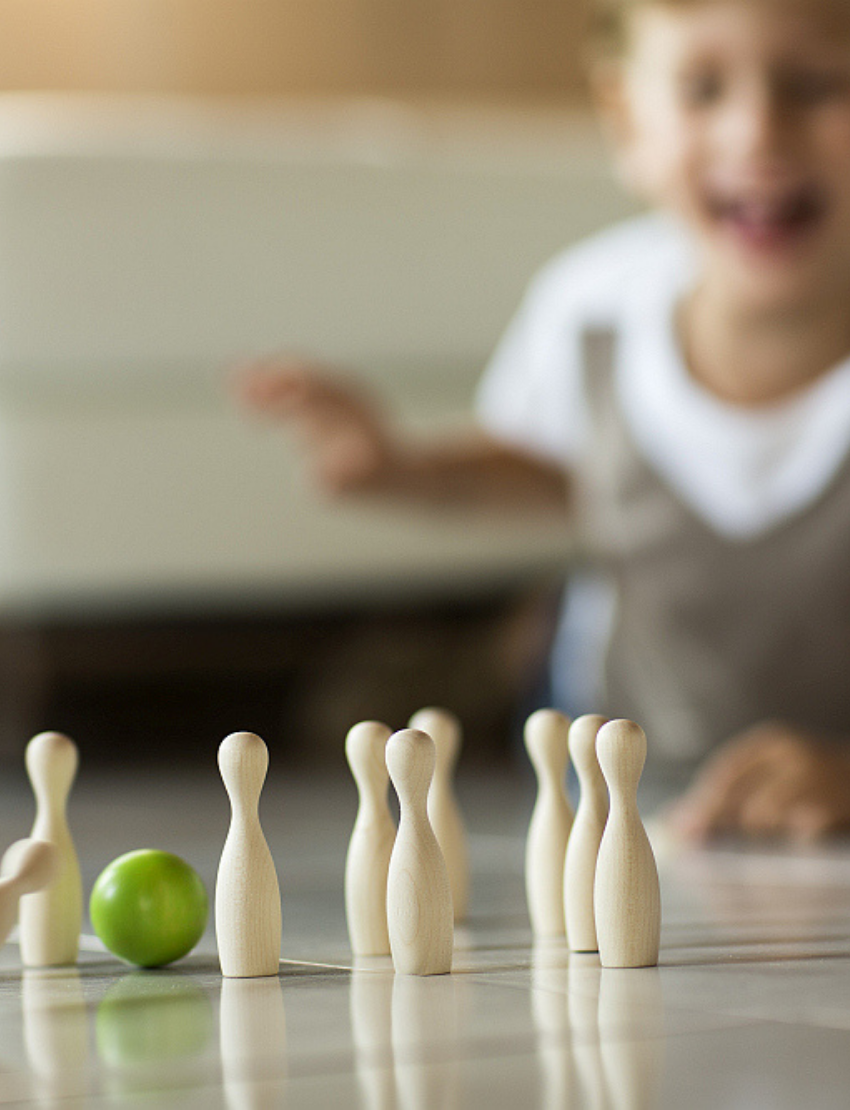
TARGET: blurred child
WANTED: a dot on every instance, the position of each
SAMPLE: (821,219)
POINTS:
(680,386)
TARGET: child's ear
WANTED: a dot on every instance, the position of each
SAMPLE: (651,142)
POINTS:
(609,82)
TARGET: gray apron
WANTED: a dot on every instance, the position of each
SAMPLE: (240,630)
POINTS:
(710,635)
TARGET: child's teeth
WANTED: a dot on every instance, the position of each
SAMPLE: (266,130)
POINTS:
(765,213)
(760,213)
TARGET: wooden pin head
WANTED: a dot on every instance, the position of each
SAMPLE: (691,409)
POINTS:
(546,733)
(51,761)
(582,744)
(243,760)
(411,759)
(365,748)
(621,751)
(444,729)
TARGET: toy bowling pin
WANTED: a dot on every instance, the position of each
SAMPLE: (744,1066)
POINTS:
(419,896)
(247,895)
(51,919)
(627,899)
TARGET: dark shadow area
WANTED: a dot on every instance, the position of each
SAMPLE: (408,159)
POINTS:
(168,691)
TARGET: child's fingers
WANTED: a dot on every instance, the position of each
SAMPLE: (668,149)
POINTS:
(713,803)
(743,787)
(748,750)
(708,811)
(723,771)
(807,823)
(282,387)
(811,821)
(767,810)
(350,463)
(337,422)
(275,387)
(285,386)
(771,782)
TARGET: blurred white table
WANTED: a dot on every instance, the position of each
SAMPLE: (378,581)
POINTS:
(147,243)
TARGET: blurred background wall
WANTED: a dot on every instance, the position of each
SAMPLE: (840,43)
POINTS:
(412,163)
(483,48)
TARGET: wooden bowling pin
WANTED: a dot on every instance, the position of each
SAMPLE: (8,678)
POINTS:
(546,734)
(443,811)
(627,899)
(585,836)
(247,895)
(27,866)
(419,895)
(368,861)
(51,919)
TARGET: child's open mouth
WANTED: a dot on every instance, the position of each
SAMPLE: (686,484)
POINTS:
(769,224)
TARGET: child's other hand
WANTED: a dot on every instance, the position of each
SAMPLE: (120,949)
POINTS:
(342,428)
(771,780)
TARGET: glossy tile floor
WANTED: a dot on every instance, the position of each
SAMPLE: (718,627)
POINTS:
(749,1008)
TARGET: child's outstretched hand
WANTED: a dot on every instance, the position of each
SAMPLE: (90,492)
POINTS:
(342,428)
(771,780)
(353,447)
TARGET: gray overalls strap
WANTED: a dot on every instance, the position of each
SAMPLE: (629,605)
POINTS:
(710,634)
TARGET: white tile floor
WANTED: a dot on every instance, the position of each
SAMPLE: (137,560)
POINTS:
(749,1008)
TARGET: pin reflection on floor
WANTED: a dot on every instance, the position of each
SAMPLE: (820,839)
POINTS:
(631,1029)
(549,986)
(253,1042)
(370,1005)
(55,1030)
(425,1035)
(583,1008)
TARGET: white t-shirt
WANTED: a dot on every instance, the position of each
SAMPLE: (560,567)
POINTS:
(742,470)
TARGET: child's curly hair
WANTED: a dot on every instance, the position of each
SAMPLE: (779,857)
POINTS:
(609,20)
(609,23)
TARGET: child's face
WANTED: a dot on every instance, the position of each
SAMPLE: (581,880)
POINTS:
(736,115)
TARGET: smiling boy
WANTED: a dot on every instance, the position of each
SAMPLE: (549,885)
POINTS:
(680,385)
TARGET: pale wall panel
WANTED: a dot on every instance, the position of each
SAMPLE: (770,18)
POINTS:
(437,47)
